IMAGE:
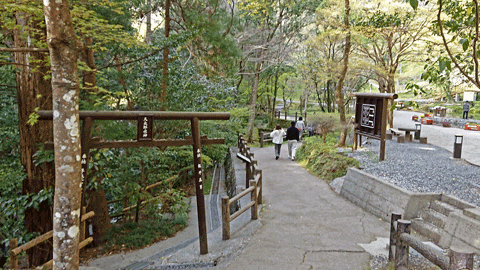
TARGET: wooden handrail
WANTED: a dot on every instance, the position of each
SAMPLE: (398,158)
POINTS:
(255,189)
(49,264)
(144,202)
(146,188)
(15,251)
(31,243)
(41,238)
(240,195)
(243,209)
(401,240)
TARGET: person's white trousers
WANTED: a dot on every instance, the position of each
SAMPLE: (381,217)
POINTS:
(292,148)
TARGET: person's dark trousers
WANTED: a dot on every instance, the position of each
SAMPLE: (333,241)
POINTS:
(465,115)
(277,150)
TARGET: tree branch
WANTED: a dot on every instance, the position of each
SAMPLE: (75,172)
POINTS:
(445,44)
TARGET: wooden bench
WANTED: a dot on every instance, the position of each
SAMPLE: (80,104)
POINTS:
(396,132)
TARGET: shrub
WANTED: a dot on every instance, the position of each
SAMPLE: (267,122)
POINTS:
(320,157)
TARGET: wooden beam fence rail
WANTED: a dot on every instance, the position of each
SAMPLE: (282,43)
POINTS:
(16,250)
(253,205)
(253,187)
(401,240)
(140,203)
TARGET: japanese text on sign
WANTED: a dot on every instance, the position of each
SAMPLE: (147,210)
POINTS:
(368,116)
(145,128)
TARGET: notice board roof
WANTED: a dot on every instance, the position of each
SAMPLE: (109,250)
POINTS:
(376,95)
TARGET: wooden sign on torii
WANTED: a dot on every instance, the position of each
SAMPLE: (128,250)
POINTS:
(145,139)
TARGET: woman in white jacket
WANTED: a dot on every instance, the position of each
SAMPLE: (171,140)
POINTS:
(277,138)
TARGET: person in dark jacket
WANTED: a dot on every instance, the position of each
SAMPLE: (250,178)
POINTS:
(466,108)
(292,139)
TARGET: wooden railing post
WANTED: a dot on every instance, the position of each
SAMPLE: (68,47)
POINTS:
(261,139)
(254,164)
(248,173)
(260,184)
(401,249)
(391,250)
(13,256)
(225,218)
(296,116)
(254,199)
(83,224)
(460,259)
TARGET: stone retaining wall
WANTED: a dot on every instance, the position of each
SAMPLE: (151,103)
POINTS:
(382,198)
(462,227)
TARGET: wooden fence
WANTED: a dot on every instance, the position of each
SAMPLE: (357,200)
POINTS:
(254,188)
(15,251)
(285,115)
(137,206)
(401,240)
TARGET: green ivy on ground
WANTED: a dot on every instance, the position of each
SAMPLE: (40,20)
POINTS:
(137,235)
(321,158)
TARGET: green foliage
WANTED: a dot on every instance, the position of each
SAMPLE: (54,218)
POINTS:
(12,218)
(321,158)
(138,235)
(380,19)
(177,204)
(42,155)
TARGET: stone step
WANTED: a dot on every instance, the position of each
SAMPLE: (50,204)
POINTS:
(433,217)
(457,202)
(426,229)
(443,207)
(472,213)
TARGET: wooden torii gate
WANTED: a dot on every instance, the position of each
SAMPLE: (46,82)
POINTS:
(145,121)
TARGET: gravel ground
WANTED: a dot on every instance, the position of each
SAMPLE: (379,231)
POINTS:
(420,168)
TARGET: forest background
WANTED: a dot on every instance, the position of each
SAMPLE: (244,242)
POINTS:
(244,57)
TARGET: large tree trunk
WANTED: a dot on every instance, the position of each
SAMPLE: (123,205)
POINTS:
(165,55)
(274,103)
(64,48)
(253,105)
(148,32)
(391,90)
(34,92)
(97,202)
(343,74)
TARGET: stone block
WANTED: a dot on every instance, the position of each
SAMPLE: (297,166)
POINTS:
(458,203)
(423,140)
(472,212)
(401,139)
